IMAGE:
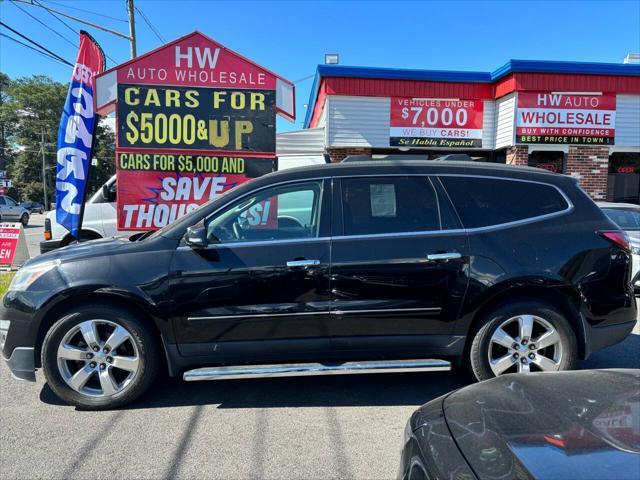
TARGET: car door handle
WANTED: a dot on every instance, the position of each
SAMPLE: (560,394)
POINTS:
(302,263)
(443,257)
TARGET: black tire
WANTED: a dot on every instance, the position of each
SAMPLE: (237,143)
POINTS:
(24,219)
(145,341)
(479,349)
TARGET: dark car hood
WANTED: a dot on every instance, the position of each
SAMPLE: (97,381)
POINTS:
(92,248)
(583,424)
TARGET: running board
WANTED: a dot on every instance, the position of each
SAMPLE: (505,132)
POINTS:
(306,369)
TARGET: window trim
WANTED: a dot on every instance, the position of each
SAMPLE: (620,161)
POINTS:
(334,192)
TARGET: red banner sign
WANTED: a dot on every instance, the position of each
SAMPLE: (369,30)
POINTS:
(156,189)
(559,118)
(194,119)
(197,61)
(9,235)
(432,122)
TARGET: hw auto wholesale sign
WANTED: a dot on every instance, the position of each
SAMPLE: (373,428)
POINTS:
(194,119)
(564,118)
(432,122)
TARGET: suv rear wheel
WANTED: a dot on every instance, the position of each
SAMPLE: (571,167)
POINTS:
(24,219)
(522,337)
(99,357)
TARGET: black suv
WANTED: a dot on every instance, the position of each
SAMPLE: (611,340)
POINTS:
(363,266)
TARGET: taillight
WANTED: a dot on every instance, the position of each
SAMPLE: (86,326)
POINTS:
(618,238)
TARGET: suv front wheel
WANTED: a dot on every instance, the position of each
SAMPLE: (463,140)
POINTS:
(99,357)
(521,338)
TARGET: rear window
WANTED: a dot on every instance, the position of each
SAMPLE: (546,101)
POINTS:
(626,219)
(482,202)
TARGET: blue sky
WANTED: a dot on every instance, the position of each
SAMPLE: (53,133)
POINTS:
(292,37)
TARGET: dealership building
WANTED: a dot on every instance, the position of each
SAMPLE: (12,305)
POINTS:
(580,119)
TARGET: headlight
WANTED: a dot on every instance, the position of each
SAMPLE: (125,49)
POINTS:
(29,274)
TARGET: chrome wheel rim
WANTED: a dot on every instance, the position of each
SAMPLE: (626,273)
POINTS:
(525,343)
(98,358)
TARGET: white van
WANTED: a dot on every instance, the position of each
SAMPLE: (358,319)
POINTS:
(99,220)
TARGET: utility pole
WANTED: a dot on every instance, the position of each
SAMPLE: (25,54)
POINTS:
(132,27)
(44,173)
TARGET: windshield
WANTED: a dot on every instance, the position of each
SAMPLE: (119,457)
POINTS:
(625,219)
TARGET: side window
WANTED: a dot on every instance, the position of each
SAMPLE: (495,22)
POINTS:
(10,201)
(2,201)
(373,205)
(279,213)
(482,202)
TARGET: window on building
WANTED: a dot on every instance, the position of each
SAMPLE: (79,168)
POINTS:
(550,161)
(482,202)
(623,182)
(389,205)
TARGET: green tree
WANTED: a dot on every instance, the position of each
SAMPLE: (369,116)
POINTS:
(103,165)
(33,108)
(5,120)
(30,109)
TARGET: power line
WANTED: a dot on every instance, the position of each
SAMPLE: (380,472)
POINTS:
(153,29)
(35,3)
(36,44)
(88,11)
(38,4)
(45,25)
(304,78)
(31,48)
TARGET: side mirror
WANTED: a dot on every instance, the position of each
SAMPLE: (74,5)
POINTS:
(105,193)
(196,237)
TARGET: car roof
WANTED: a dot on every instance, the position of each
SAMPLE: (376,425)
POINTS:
(375,168)
(381,167)
(620,206)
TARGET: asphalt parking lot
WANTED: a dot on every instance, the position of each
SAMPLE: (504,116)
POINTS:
(308,427)
(34,232)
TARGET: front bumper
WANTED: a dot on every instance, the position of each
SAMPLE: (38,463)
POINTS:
(49,245)
(22,364)
(21,360)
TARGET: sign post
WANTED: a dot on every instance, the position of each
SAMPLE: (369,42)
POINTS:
(13,245)
(193,119)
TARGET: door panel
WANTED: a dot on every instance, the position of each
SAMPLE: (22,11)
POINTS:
(262,292)
(387,286)
(386,281)
(248,293)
